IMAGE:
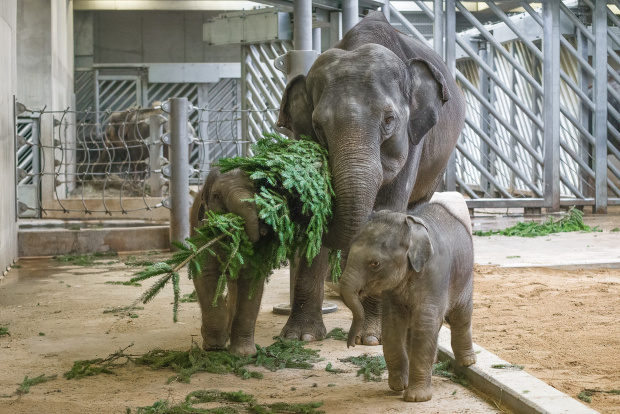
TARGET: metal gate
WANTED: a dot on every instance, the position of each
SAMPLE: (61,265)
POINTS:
(536,132)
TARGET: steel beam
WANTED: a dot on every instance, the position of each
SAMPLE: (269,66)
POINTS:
(350,15)
(600,98)
(438,29)
(450,57)
(551,82)
(179,170)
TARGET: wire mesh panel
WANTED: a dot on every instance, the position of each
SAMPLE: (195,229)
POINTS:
(262,87)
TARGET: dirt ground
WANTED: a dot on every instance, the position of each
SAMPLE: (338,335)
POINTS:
(562,326)
(54,313)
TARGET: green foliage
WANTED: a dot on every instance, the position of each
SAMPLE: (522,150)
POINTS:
(281,354)
(338,334)
(4,331)
(445,369)
(91,367)
(371,367)
(24,387)
(123,309)
(512,367)
(294,197)
(235,402)
(335,258)
(572,221)
(286,169)
(587,393)
(189,297)
(615,230)
(85,259)
(329,368)
(125,283)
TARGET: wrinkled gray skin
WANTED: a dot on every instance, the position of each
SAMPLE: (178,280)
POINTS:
(422,265)
(231,318)
(389,113)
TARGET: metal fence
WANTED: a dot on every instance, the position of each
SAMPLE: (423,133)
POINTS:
(542,126)
(538,115)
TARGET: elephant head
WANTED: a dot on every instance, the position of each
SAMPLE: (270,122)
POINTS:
(229,192)
(371,110)
(381,258)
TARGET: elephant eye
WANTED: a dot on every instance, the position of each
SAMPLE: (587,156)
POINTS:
(216,196)
(388,119)
(375,264)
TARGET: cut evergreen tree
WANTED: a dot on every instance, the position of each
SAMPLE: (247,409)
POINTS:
(294,197)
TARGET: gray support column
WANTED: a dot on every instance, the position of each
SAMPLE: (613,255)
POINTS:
(316,39)
(204,153)
(600,103)
(551,114)
(335,27)
(350,15)
(513,121)
(585,149)
(302,24)
(438,29)
(485,90)
(179,170)
(154,179)
(450,58)
(386,9)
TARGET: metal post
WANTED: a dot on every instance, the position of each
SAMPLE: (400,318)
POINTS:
(385,9)
(513,121)
(335,27)
(179,170)
(450,58)
(585,149)
(302,27)
(155,151)
(316,39)
(438,29)
(551,84)
(350,15)
(600,103)
(203,131)
(484,116)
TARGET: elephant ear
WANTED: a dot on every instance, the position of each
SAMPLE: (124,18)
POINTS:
(428,93)
(296,108)
(421,248)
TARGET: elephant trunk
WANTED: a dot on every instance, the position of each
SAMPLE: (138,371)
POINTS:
(356,176)
(247,210)
(350,286)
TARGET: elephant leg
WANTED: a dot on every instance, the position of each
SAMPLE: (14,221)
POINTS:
(371,334)
(394,321)
(231,304)
(460,339)
(244,322)
(306,320)
(422,349)
(214,327)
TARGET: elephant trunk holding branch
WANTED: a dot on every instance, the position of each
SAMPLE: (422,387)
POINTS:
(389,113)
(422,265)
(234,315)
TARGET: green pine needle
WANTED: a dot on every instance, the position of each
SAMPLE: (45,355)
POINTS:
(294,197)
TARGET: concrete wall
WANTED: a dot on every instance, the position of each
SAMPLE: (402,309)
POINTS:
(147,37)
(8,82)
(45,70)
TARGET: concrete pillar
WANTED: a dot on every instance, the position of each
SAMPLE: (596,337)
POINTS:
(350,15)
(45,78)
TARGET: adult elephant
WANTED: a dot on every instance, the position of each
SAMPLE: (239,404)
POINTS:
(389,112)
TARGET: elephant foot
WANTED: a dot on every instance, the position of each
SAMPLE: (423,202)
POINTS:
(466,359)
(243,350)
(368,340)
(418,394)
(304,331)
(398,381)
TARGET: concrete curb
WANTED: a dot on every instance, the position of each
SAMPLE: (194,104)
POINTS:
(579,264)
(515,388)
(54,241)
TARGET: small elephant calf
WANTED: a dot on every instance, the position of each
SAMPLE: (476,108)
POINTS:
(235,315)
(422,265)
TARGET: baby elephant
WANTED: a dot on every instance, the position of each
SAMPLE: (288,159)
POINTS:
(235,315)
(422,265)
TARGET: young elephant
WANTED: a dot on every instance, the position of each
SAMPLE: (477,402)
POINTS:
(235,315)
(422,265)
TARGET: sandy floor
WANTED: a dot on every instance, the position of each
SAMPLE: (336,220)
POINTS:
(562,326)
(54,312)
